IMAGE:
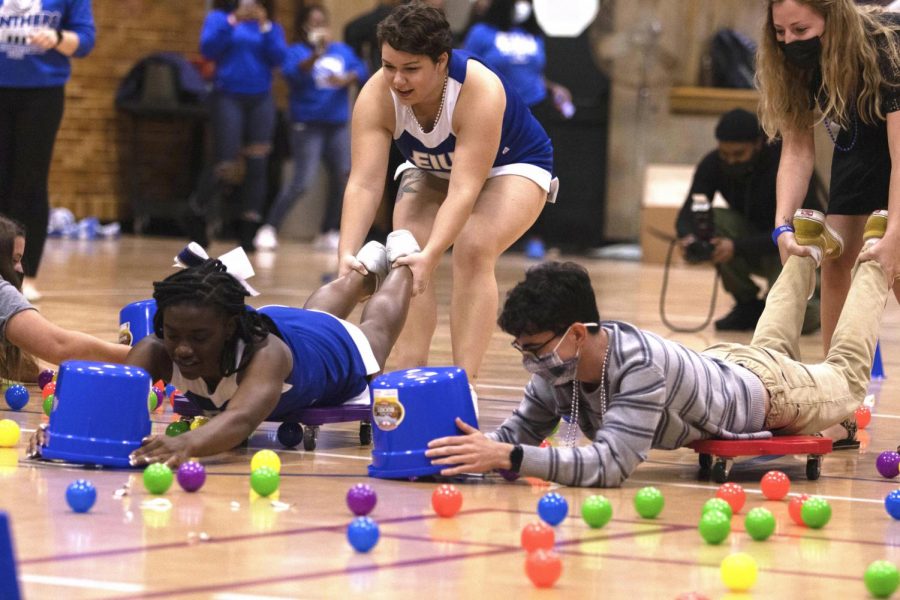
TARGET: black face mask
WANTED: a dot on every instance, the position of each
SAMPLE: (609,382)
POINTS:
(803,53)
(739,170)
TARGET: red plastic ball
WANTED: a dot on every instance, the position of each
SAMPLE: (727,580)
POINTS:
(48,389)
(795,509)
(546,444)
(543,568)
(446,500)
(775,485)
(692,596)
(733,494)
(538,536)
(863,417)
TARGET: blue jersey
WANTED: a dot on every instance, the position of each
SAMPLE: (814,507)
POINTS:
(25,66)
(522,139)
(244,55)
(313,98)
(516,54)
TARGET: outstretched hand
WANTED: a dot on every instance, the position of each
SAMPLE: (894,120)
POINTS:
(472,452)
(161,449)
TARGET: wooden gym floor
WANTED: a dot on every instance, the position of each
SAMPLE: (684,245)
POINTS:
(220,543)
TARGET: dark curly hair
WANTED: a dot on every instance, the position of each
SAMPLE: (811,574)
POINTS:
(552,297)
(417,28)
(208,284)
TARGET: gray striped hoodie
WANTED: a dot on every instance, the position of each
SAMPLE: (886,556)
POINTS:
(659,395)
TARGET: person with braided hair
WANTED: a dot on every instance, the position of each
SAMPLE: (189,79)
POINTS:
(247,366)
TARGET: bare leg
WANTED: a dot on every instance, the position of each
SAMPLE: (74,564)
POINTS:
(836,273)
(340,297)
(385,312)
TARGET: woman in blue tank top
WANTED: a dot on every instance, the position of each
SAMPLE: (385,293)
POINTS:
(478,172)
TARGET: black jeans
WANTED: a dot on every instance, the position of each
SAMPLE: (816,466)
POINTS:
(29,120)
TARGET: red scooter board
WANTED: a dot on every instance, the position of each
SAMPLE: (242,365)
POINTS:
(717,455)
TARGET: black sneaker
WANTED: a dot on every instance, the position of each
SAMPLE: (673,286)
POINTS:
(743,316)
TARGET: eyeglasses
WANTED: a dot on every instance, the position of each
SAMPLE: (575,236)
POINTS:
(533,349)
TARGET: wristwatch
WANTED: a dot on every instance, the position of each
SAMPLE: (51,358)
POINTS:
(515,458)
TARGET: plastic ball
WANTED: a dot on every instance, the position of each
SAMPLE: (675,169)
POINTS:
(48,404)
(543,568)
(361,499)
(738,572)
(45,377)
(537,536)
(289,435)
(596,511)
(795,507)
(265,458)
(158,478)
(717,504)
(816,512)
(191,476)
(264,480)
(16,396)
(759,523)
(552,508)
(177,428)
(892,504)
(888,464)
(446,500)
(198,422)
(649,502)
(9,433)
(775,485)
(362,533)
(714,526)
(691,596)
(863,417)
(81,495)
(168,390)
(733,494)
(881,578)
(48,389)
(152,400)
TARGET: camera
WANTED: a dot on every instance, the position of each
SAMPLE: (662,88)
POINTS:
(701,249)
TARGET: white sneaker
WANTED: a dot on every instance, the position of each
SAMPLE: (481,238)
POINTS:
(30,292)
(400,243)
(373,256)
(266,238)
(327,242)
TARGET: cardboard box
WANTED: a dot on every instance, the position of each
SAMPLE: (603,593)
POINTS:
(665,188)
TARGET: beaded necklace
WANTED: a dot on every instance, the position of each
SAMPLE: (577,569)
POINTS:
(572,430)
(439,111)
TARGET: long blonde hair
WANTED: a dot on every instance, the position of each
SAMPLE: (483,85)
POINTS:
(851,42)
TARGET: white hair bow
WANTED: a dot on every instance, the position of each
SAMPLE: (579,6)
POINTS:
(236,263)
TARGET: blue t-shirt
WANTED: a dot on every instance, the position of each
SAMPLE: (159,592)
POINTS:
(244,55)
(25,66)
(313,99)
(516,54)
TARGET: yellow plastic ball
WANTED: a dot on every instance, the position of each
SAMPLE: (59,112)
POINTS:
(265,458)
(199,422)
(739,572)
(9,433)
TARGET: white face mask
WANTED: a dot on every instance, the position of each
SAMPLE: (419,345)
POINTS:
(521,12)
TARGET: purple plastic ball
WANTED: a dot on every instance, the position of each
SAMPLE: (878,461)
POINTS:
(45,377)
(888,464)
(361,499)
(191,476)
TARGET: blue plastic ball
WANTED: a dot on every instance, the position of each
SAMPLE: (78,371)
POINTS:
(16,396)
(81,495)
(892,504)
(553,508)
(169,389)
(362,533)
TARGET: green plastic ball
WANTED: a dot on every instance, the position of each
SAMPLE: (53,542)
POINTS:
(158,478)
(649,502)
(759,523)
(177,428)
(264,480)
(717,504)
(48,404)
(151,400)
(714,526)
(596,511)
(882,578)
(816,512)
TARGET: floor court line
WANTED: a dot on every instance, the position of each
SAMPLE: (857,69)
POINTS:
(713,488)
(88,584)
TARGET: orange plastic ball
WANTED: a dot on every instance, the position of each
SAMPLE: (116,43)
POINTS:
(863,417)
(795,509)
(775,485)
(538,536)
(543,568)
(48,389)
(446,500)
(733,494)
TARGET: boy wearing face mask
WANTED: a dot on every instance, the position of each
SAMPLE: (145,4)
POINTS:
(629,390)
(743,169)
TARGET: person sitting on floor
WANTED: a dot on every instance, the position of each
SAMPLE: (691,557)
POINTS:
(630,390)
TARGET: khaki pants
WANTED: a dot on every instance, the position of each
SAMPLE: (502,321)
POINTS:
(807,398)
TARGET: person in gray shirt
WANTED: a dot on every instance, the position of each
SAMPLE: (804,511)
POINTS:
(630,390)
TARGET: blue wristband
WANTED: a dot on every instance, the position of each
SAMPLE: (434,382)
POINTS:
(779,230)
